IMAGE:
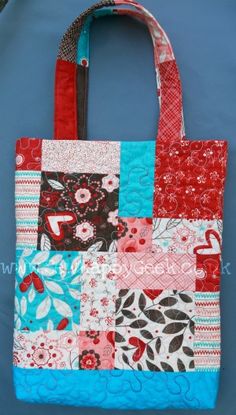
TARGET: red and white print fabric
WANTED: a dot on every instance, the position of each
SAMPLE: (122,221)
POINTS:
(189,179)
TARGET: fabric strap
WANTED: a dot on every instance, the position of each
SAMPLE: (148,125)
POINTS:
(71,82)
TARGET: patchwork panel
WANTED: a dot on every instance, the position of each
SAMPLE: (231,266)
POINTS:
(156,271)
(123,290)
(78,210)
(189,179)
(154,330)
(207,331)
(72,156)
(46,349)
(47,290)
(136,179)
(27,190)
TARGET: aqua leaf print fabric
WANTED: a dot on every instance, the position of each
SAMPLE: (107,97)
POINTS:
(48,290)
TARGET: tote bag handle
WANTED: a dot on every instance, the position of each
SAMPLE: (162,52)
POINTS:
(71,81)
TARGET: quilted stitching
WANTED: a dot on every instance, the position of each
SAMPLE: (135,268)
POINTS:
(124,390)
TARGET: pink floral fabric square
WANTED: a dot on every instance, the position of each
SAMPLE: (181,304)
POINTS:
(96,350)
(135,234)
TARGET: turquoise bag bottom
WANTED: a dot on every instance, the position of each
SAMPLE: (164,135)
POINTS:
(118,389)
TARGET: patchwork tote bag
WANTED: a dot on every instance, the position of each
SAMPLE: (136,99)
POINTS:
(118,249)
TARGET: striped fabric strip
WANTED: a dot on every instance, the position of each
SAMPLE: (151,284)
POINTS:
(27,191)
(207,331)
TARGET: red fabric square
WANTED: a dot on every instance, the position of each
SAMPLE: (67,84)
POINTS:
(189,179)
(28,154)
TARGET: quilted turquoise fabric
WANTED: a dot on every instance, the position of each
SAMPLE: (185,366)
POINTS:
(118,389)
(137,178)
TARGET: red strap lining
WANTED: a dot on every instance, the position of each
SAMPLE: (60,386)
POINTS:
(66,123)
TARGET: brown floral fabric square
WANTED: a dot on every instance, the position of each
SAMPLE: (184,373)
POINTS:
(77,211)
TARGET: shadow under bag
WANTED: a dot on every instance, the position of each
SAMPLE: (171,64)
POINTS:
(118,249)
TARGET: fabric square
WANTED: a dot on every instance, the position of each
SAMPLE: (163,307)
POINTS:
(98,270)
(98,292)
(47,290)
(96,350)
(28,154)
(207,331)
(75,156)
(208,260)
(137,179)
(46,350)
(78,210)
(180,236)
(156,271)
(154,330)
(135,234)
(97,310)
(27,191)
(189,179)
